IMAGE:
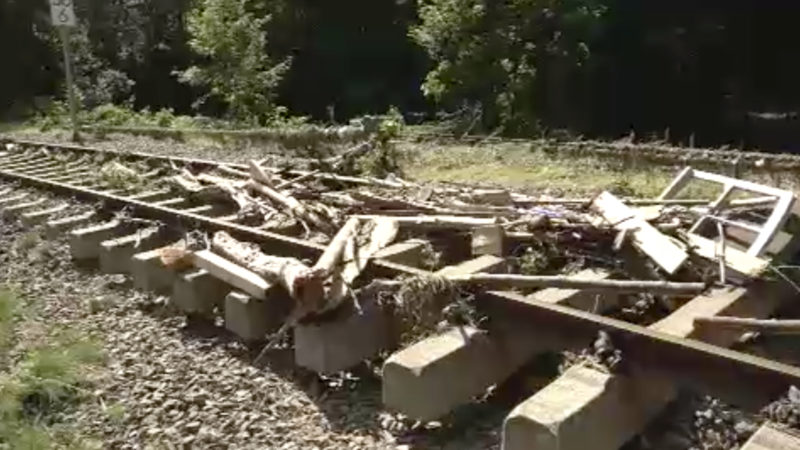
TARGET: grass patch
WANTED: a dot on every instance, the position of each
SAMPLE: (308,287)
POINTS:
(522,167)
(527,167)
(42,383)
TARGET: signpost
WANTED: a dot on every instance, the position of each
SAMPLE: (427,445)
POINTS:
(63,15)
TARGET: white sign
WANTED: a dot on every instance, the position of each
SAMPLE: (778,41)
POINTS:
(62,13)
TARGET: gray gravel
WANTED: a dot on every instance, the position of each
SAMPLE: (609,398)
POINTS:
(172,384)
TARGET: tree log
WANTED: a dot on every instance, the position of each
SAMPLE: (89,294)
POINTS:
(565,282)
(298,279)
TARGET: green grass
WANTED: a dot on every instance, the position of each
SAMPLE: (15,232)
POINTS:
(526,168)
(520,167)
(41,381)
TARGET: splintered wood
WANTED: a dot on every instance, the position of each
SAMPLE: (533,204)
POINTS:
(344,258)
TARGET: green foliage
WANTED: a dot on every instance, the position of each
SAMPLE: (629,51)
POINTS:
(9,305)
(231,38)
(385,158)
(40,383)
(497,54)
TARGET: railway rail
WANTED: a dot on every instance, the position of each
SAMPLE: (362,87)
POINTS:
(632,153)
(584,408)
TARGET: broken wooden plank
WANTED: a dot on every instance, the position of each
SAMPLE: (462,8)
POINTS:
(231,273)
(660,248)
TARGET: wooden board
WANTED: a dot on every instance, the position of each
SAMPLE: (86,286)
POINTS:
(660,248)
(233,274)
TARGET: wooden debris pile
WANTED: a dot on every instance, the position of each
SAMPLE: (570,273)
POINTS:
(662,247)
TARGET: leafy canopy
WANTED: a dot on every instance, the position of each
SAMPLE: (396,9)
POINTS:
(231,38)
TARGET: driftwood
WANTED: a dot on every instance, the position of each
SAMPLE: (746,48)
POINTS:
(234,190)
(260,175)
(234,172)
(298,279)
(307,176)
(383,233)
(344,259)
(292,204)
(746,325)
(338,162)
(565,282)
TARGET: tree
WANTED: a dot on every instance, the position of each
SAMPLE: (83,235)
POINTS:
(500,54)
(230,37)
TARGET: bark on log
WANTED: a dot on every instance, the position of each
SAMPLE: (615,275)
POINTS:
(298,279)
(565,282)
(746,325)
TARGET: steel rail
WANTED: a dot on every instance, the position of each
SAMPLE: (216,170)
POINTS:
(193,162)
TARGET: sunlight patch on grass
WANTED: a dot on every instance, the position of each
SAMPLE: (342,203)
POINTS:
(520,167)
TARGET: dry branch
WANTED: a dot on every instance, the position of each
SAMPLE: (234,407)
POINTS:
(307,176)
(292,204)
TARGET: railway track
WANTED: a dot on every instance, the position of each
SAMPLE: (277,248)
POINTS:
(629,153)
(60,189)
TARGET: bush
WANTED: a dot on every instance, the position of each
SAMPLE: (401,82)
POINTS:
(492,56)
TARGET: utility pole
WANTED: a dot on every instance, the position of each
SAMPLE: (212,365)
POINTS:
(63,15)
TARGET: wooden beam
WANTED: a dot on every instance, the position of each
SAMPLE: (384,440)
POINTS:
(233,274)
(660,248)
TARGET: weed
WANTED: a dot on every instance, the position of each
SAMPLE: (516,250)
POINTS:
(9,306)
(119,176)
(116,412)
(98,304)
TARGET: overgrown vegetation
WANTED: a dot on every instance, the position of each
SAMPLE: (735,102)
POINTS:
(492,56)
(230,36)
(41,381)
(599,68)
